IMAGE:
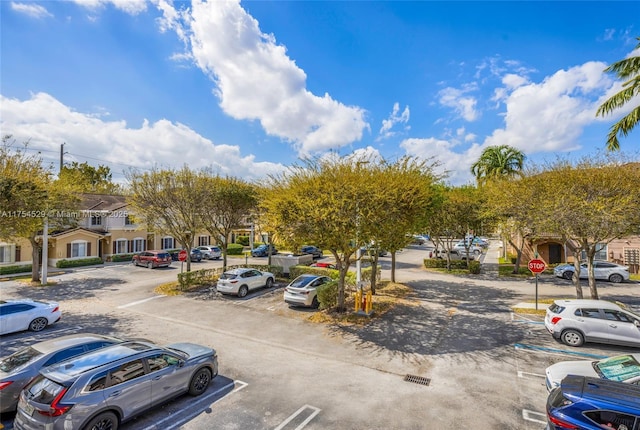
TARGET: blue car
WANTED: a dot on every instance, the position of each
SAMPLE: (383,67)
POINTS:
(263,251)
(589,403)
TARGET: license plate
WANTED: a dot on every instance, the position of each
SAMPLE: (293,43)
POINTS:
(26,407)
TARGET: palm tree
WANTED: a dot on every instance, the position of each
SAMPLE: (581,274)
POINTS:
(628,70)
(498,162)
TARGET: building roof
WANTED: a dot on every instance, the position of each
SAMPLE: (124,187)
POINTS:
(77,230)
(102,202)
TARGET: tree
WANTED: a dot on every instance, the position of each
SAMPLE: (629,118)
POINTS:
(227,204)
(89,179)
(29,198)
(169,201)
(629,71)
(501,161)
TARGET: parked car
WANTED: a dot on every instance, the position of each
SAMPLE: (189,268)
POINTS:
(302,291)
(211,252)
(324,265)
(585,403)
(476,250)
(102,389)
(575,322)
(152,259)
(606,270)
(19,368)
(26,314)
(313,250)
(241,281)
(196,255)
(621,368)
(455,254)
(263,251)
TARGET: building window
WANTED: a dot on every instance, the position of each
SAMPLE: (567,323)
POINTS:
(6,253)
(96,220)
(79,249)
(167,243)
(203,240)
(138,245)
(121,246)
(128,220)
(601,253)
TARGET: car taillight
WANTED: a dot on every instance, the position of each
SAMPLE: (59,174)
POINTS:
(5,384)
(56,409)
(56,309)
(562,424)
(234,281)
(555,320)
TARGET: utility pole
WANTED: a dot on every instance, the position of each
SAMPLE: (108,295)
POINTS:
(62,156)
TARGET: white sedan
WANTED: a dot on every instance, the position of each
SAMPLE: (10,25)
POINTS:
(241,281)
(606,270)
(19,315)
(621,368)
(302,291)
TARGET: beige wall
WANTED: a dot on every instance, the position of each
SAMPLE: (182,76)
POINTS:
(58,248)
(19,252)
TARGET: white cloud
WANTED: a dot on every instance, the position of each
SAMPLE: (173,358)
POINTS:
(464,105)
(550,115)
(46,123)
(32,10)
(132,7)
(256,80)
(394,118)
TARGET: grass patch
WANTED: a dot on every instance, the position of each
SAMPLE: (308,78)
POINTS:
(388,295)
(169,289)
(634,276)
(529,311)
(28,282)
(450,272)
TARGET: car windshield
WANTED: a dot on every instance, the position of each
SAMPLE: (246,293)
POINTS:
(17,359)
(228,276)
(618,368)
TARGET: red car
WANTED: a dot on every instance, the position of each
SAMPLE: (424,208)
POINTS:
(152,259)
(324,265)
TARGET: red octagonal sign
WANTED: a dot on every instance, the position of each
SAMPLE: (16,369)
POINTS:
(537,266)
(182,255)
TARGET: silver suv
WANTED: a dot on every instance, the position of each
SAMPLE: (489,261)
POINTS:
(575,322)
(101,389)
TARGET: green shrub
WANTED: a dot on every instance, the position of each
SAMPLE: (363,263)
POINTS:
(474,267)
(328,295)
(61,264)
(441,263)
(121,257)
(234,249)
(242,240)
(6,270)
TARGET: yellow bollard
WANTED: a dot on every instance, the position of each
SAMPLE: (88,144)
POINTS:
(358,300)
(369,302)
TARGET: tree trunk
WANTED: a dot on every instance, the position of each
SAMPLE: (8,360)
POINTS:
(343,268)
(35,258)
(593,289)
(374,269)
(393,266)
(576,274)
(518,248)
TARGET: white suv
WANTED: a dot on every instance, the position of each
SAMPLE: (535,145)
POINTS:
(210,252)
(575,322)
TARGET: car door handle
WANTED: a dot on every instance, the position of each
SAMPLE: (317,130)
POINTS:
(157,377)
(613,326)
(114,394)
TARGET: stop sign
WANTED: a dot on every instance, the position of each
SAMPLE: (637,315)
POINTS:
(537,266)
(182,255)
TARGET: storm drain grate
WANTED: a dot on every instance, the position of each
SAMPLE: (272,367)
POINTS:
(417,379)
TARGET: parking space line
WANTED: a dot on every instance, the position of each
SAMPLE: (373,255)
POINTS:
(190,416)
(140,301)
(545,350)
(533,416)
(522,374)
(315,412)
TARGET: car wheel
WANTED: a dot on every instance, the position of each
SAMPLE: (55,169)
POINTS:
(476,252)
(315,303)
(134,262)
(38,324)
(104,421)
(242,292)
(616,278)
(567,275)
(150,265)
(199,382)
(269,283)
(572,338)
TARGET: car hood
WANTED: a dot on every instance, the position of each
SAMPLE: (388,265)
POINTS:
(192,350)
(557,372)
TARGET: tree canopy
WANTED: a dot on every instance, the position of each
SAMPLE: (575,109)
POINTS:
(502,161)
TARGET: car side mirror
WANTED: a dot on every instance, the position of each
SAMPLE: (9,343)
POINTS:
(636,323)
(181,363)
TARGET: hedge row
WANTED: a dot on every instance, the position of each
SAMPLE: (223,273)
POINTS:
(210,276)
(61,264)
(350,278)
(234,249)
(441,263)
(121,257)
(7,270)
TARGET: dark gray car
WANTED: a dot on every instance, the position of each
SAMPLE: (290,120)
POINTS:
(102,389)
(19,368)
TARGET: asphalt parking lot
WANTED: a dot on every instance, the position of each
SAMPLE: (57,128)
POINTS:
(483,363)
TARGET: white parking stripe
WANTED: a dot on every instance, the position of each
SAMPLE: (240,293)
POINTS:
(533,416)
(315,410)
(522,374)
(140,301)
(198,411)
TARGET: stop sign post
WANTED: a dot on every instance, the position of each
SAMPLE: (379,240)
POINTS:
(537,266)
(182,256)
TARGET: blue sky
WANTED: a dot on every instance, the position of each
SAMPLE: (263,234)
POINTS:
(248,88)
